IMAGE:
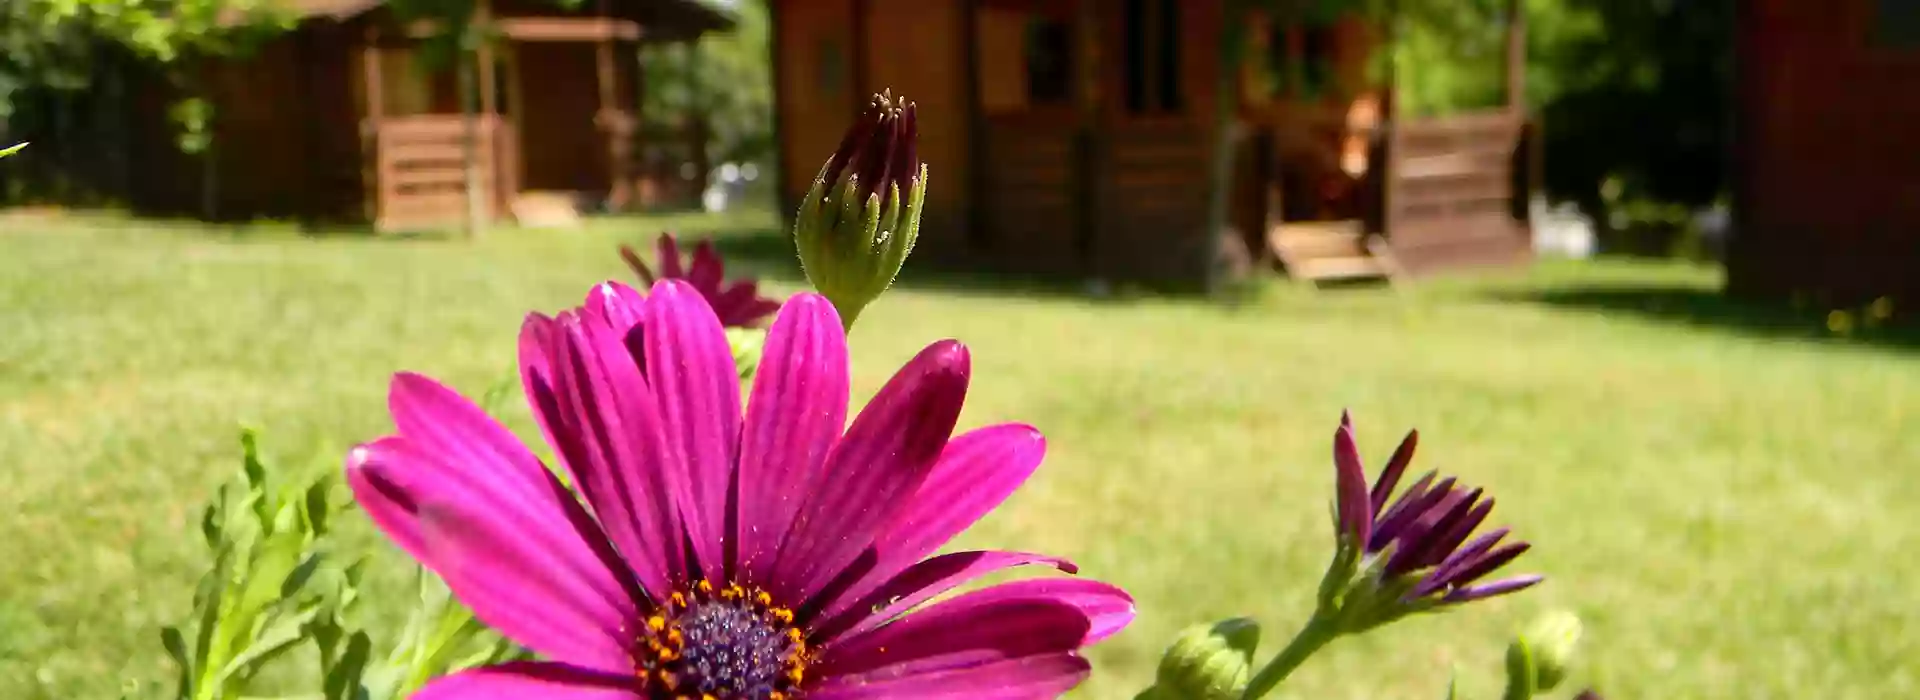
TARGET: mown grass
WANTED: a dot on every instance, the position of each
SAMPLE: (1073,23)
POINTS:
(1724,494)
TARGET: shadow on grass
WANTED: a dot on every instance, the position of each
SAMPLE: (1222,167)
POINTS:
(1710,308)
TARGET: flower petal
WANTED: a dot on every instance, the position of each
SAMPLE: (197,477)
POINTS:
(1417,544)
(798,407)
(707,270)
(971,630)
(1415,502)
(883,459)
(669,257)
(528,680)
(918,584)
(1489,590)
(1354,506)
(1396,467)
(975,474)
(595,408)
(441,422)
(527,561)
(1031,677)
(697,391)
(616,305)
(1442,574)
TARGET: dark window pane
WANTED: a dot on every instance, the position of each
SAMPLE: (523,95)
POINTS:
(1049,62)
(1897,23)
(1169,55)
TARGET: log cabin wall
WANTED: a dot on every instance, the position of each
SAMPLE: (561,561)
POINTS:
(1827,152)
(814,90)
(284,136)
(1030,136)
(1153,144)
(918,49)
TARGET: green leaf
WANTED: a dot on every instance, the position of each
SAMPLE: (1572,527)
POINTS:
(301,575)
(343,679)
(317,508)
(176,645)
(10,150)
(276,640)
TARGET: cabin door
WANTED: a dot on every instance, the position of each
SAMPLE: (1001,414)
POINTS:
(1031,136)
(1152,153)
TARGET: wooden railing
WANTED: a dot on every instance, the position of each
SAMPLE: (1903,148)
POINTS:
(1450,187)
(420,177)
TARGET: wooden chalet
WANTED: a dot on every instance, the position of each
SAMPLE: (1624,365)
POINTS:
(1076,137)
(339,120)
(1826,162)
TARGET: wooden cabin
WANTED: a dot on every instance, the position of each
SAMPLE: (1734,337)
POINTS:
(341,120)
(1826,162)
(1077,137)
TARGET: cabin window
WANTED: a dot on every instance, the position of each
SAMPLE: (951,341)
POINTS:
(1897,23)
(1298,60)
(1049,61)
(1025,59)
(1152,52)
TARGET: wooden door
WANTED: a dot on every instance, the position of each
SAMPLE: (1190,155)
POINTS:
(1152,152)
(1030,136)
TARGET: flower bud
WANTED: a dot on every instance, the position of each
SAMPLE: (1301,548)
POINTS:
(860,218)
(1208,662)
(1549,644)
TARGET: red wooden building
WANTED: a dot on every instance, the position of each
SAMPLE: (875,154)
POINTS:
(1826,172)
(1077,137)
(339,120)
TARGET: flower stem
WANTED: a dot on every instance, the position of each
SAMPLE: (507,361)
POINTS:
(1317,633)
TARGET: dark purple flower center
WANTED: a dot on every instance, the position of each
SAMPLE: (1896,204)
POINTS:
(727,644)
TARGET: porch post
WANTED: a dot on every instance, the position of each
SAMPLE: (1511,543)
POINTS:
(372,173)
(611,117)
(499,133)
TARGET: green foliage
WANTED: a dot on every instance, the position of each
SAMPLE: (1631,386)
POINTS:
(10,150)
(270,583)
(722,84)
(747,344)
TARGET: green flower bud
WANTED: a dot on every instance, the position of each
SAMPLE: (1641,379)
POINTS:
(1550,643)
(1538,658)
(1208,662)
(860,218)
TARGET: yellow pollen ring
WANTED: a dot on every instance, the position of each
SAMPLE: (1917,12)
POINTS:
(665,642)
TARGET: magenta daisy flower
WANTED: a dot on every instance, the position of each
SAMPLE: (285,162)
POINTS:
(1419,545)
(765,557)
(739,305)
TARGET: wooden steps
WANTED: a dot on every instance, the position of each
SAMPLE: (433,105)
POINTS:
(1324,251)
(543,209)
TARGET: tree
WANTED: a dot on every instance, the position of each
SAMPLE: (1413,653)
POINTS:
(51,47)
(718,90)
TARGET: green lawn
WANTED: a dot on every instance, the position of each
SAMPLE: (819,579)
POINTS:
(1724,496)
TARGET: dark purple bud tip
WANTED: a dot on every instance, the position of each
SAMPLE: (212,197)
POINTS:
(881,150)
